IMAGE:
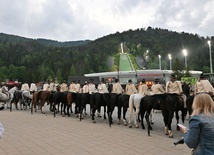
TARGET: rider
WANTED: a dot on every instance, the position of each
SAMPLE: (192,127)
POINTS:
(72,87)
(78,87)
(102,88)
(117,88)
(157,88)
(144,88)
(25,86)
(130,88)
(46,86)
(4,90)
(52,86)
(33,87)
(174,87)
(86,87)
(63,87)
(92,87)
(203,85)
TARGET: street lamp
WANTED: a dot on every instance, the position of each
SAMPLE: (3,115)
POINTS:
(159,57)
(185,56)
(211,65)
(170,61)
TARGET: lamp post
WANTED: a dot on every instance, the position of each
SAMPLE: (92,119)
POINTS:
(159,57)
(211,65)
(170,61)
(185,56)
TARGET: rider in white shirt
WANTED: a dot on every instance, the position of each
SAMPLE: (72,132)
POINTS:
(33,87)
(102,87)
(203,85)
(92,88)
(25,86)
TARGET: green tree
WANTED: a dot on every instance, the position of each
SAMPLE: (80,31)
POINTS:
(72,71)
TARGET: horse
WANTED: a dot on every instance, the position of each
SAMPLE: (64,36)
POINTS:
(97,100)
(186,89)
(123,102)
(148,103)
(68,99)
(26,98)
(18,99)
(189,103)
(173,104)
(111,105)
(84,99)
(134,102)
(8,99)
(56,100)
(23,97)
(43,97)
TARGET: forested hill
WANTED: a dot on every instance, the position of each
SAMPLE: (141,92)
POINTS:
(46,42)
(40,59)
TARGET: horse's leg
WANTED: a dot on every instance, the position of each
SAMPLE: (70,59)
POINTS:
(119,114)
(148,122)
(165,119)
(94,108)
(171,115)
(68,109)
(104,112)
(125,108)
(142,113)
(131,107)
(136,116)
(177,119)
(76,110)
(42,107)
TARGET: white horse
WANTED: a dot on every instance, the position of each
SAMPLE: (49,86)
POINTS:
(26,97)
(134,102)
(7,99)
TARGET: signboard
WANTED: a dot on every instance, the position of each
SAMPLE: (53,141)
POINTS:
(191,80)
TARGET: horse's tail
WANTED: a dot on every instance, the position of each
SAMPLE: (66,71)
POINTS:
(131,101)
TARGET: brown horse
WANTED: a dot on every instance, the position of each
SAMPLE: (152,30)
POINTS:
(67,99)
(41,97)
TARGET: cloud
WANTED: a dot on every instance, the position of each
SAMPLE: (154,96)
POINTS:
(69,20)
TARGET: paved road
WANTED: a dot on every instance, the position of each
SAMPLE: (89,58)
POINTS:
(29,134)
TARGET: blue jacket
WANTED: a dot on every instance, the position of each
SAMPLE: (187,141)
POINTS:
(200,135)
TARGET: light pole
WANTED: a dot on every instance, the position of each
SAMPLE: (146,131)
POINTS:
(159,57)
(170,61)
(211,64)
(185,56)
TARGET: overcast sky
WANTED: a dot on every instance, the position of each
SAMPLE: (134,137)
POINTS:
(72,20)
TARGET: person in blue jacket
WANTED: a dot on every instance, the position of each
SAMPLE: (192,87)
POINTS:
(200,135)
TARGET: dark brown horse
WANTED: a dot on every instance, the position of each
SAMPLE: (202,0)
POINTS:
(41,97)
(69,98)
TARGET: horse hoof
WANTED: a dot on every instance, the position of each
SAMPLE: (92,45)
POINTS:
(118,123)
(93,121)
(130,126)
(170,136)
(136,126)
(151,123)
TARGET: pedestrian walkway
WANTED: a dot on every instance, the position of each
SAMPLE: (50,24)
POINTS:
(42,134)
